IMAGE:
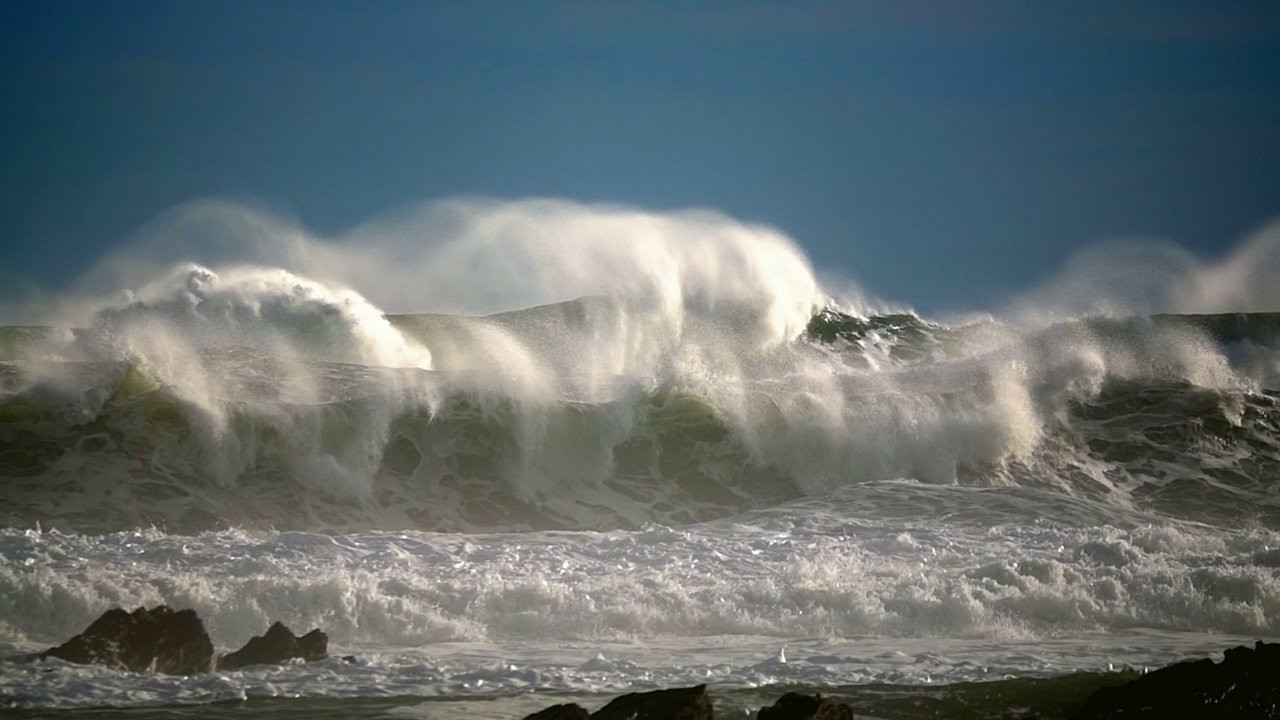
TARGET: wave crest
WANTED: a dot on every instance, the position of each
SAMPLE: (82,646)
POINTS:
(542,419)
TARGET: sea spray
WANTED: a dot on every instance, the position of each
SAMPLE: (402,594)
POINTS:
(195,436)
(691,369)
(494,446)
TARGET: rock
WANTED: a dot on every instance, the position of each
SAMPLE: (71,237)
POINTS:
(175,642)
(1245,685)
(279,645)
(567,711)
(159,640)
(678,704)
(794,706)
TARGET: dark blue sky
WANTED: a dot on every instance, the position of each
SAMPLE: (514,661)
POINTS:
(941,153)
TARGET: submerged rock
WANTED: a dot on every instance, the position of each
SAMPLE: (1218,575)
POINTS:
(159,640)
(795,706)
(1244,686)
(678,704)
(279,645)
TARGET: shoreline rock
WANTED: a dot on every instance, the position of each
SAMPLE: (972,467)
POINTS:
(693,703)
(796,706)
(277,646)
(174,642)
(1244,686)
(565,711)
(163,640)
(673,704)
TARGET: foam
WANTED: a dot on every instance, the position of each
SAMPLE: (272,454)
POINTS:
(794,577)
(193,435)
(236,370)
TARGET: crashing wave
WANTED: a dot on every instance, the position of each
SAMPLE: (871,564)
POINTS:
(222,407)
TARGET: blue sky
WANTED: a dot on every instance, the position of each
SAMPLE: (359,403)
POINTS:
(943,154)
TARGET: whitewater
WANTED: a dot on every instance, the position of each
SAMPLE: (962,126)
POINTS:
(513,453)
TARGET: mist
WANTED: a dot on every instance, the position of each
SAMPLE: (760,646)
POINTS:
(480,256)
(1142,277)
(589,355)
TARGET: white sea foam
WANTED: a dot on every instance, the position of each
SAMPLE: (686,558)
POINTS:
(821,569)
(844,584)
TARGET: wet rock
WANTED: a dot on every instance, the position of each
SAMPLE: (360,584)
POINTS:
(567,711)
(1244,686)
(795,706)
(160,640)
(678,704)
(279,645)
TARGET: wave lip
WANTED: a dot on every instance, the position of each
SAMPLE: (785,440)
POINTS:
(257,398)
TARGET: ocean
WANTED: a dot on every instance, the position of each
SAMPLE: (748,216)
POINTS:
(569,501)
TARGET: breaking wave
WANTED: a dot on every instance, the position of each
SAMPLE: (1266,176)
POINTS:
(253,376)
(282,417)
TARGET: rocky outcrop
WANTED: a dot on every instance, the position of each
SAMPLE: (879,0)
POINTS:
(795,706)
(1244,686)
(278,646)
(678,704)
(158,640)
(175,642)
(568,711)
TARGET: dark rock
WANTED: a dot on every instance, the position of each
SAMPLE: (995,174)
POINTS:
(1244,686)
(279,645)
(159,640)
(794,706)
(679,704)
(568,711)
